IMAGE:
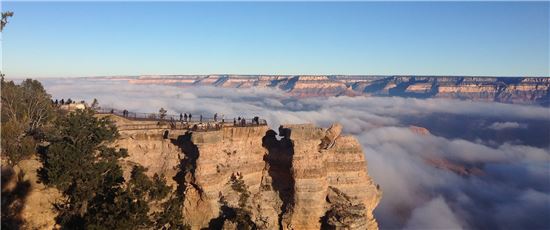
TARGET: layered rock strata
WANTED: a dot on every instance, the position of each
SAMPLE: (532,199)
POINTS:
(522,90)
(304,177)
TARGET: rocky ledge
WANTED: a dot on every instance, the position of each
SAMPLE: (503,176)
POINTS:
(300,177)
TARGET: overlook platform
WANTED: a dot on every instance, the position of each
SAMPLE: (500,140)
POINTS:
(126,121)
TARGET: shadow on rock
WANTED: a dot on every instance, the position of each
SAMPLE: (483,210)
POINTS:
(279,159)
(14,194)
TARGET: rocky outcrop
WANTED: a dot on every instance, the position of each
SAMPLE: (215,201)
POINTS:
(461,169)
(302,177)
(27,201)
(298,177)
(151,150)
(344,213)
(520,90)
(315,169)
(419,130)
(440,162)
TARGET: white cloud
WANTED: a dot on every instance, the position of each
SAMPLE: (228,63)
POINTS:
(423,217)
(506,125)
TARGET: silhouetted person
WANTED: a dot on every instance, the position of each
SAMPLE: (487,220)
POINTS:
(215,117)
(185,117)
(190,116)
(234,122)
(200,118)
(56,102)
(284,132)
(62,102)
(181,117)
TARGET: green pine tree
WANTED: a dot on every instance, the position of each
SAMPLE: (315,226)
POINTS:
(80,164)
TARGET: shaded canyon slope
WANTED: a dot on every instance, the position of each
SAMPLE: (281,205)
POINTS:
(300,177)
(517,90)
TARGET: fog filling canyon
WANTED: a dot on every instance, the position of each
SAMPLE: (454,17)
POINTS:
(482,165)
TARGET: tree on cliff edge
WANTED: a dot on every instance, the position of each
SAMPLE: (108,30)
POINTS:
(239,216)
(81,165)
(26,113)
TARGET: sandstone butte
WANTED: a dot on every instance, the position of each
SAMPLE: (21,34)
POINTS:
(307,178)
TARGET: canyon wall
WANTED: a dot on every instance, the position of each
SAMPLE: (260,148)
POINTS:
(519,90)
(305,177)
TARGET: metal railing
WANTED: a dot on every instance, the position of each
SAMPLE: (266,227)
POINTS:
(173,121)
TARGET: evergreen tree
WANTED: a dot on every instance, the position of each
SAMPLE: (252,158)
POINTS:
(26,112)
(126,208)
(4,20)
(241,215)
(170,216)
(79,163)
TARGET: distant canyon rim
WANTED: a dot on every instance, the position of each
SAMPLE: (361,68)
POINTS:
(520,90)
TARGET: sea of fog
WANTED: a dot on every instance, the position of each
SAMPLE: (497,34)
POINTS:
(510,144)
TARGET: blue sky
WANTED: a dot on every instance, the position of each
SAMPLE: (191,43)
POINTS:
(64,39)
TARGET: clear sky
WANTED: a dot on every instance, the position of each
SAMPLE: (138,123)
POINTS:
(63,39)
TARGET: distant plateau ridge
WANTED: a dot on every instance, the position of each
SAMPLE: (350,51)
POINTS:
(515,90)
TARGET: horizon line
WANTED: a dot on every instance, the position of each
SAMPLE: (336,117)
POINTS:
(278,75)
(328,75)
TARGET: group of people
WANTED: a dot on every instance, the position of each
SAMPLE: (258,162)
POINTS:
(62,102)
(242,121)
(187,118)
(184,117)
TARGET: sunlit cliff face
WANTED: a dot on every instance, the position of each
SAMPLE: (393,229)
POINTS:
(517,90)
(507,146)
